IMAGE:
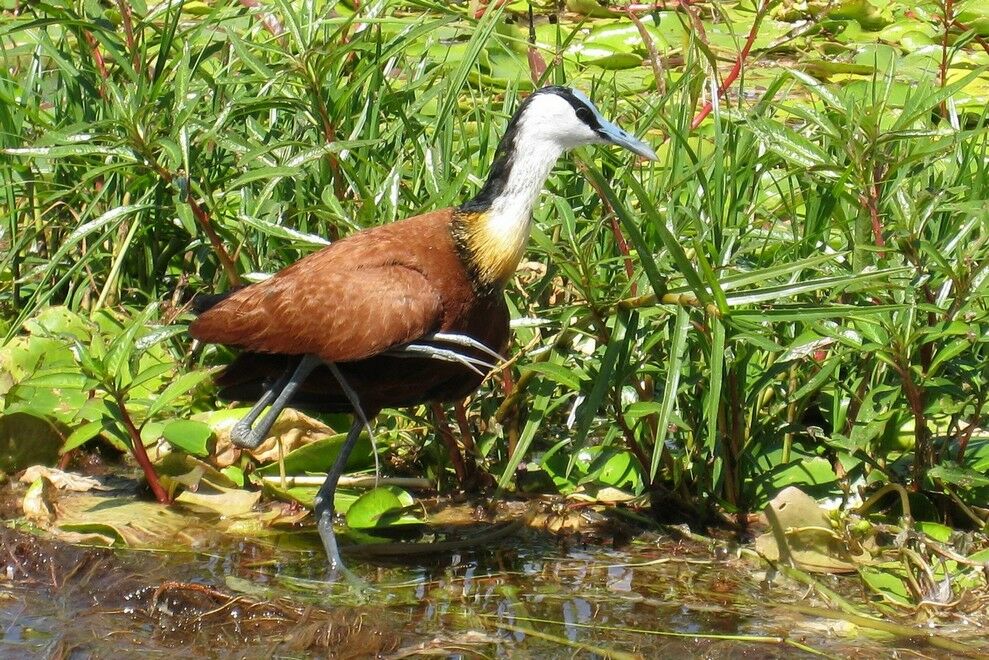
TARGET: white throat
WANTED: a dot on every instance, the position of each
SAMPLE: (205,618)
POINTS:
(510,216)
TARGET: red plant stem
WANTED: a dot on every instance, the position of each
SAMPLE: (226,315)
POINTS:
(330,135)
(620,241)
(446,435)
(616,229)
(736,69)
(537,64)
(98,57)
(204,222)
(629,435)
(978,38)
(923,451)
(137,446)
(128,22)
(872,203)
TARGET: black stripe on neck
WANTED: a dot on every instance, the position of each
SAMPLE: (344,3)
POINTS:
(501,168)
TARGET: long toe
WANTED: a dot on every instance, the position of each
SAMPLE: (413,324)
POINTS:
(244,436)
(338,571)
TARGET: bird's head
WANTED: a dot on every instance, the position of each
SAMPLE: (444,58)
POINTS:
(492,228)
(568,118)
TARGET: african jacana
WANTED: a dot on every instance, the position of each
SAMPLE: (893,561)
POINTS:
(402,314)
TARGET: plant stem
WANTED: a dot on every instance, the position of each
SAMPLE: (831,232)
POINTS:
(141,454)
(948,18)
(736,69)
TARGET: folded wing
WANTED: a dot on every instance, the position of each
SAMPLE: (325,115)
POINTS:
(327,307)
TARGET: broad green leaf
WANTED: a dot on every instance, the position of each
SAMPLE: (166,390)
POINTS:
(319,456)
(555,372)
(886,581)
(384,506)
(82,435)
(189,435)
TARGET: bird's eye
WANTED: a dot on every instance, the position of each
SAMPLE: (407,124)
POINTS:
(586,116)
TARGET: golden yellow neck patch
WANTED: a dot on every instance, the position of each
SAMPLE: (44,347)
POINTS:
(492,244)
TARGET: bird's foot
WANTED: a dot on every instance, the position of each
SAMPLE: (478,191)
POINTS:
(338,571)
(463,340)
(443,354)
(245,436)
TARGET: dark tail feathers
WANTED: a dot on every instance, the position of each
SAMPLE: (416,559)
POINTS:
(202,302)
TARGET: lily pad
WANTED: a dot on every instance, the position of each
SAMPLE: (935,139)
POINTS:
(384,506)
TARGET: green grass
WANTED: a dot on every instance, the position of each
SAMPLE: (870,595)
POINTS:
(763,339)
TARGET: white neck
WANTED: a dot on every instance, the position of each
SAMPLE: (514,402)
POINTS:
(510,214)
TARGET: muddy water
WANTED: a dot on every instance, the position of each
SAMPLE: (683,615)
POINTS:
(529,594)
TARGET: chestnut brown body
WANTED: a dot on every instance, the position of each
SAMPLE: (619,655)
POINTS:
(350,302)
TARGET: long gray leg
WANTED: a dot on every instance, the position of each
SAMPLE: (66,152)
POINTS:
(243,433)
(323,503)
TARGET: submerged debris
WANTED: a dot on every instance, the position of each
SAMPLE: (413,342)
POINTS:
(117,599)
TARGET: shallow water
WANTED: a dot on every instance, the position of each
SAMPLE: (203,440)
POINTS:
(531,593)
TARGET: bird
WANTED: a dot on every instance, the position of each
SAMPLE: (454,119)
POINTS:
(400,314)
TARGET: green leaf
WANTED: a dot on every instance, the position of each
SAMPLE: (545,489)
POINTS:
(82,435)
(273,173)
(555,372)
(611,466)
(625,323)
(384,506)
(59,379)
(181,385)
(792,146)
(886,581)
(674,366)
(957,475)
(936,531)
(189,435)
(234,474)
(120,350)
(319,456)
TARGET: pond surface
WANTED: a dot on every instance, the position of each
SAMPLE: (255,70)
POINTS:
(526,593)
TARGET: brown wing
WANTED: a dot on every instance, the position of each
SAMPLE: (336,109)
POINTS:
(327,306)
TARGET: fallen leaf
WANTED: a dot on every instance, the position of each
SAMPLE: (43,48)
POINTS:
(225,501)
(61,479)
(293,429)
(135,523)
(812,543)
